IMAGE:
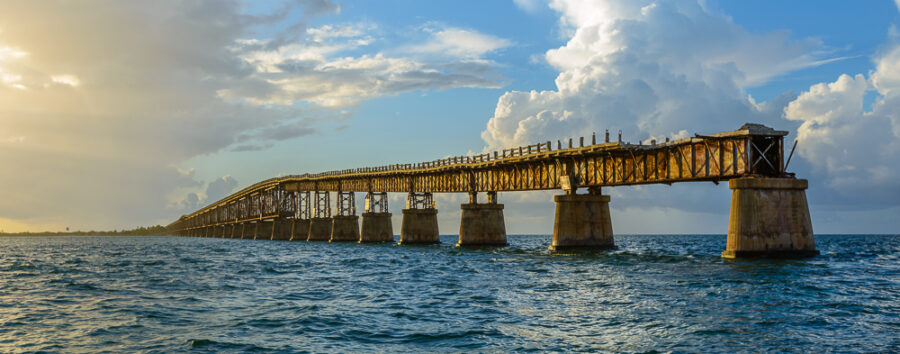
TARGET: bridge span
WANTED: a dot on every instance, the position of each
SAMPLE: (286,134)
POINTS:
(769,212)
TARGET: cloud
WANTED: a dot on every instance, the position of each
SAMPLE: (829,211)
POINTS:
(531,6)
(70,80)
(99,101)
(319,69)
(857,152)
(220,188)
(656,68)
(650,69)
(460,43)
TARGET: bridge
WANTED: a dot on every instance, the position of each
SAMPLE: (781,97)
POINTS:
(769,212)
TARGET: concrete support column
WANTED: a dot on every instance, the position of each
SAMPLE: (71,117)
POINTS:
(419,226)
(345,228)
(376,227)
(319,229)
(244,230)
(263,230)
(281,229)
(769,218)
(582,222)
(345,225)
(482,225)
(299,229)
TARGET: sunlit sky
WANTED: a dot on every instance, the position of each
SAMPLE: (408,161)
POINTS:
(118,114)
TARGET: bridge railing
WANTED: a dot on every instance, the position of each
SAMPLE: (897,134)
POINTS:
(448,161)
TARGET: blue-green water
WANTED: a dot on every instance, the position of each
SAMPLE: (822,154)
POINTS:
(662,293)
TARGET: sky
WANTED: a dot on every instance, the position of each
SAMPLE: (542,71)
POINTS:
(119,114)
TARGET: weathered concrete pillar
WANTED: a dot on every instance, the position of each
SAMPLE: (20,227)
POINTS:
(299,229)
(264,230)
(769,218)
(281,229)
(482,225)
(319,229)
(244,230)
(582,222)
(419,226)
(234,231)
(376,227)
(345,228)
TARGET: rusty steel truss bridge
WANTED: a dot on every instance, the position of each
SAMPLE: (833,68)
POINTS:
(751,151)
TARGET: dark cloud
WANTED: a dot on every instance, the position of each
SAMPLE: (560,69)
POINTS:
(220,188)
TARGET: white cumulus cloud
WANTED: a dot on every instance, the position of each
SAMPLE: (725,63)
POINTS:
(321,70)
(460,43)
(650,69)
(856,151)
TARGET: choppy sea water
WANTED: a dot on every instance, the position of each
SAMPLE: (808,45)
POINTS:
(655,293)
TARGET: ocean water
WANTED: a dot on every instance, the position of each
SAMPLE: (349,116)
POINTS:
(655,293)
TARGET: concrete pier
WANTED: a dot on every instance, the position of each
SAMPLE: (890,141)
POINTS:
(251,230)
(299,229)
(376,227)
(482,225)
(769,218)
(345,228)
(419,226)
(319,229)
(264,230)
(582,222)
(281,229)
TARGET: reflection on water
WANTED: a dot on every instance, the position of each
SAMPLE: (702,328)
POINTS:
(667,293)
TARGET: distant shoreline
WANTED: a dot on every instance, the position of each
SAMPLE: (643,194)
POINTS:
(157,230)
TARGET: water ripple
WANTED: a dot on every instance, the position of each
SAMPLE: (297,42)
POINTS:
(654,293)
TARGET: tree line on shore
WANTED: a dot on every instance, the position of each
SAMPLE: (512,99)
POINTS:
(141,231)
